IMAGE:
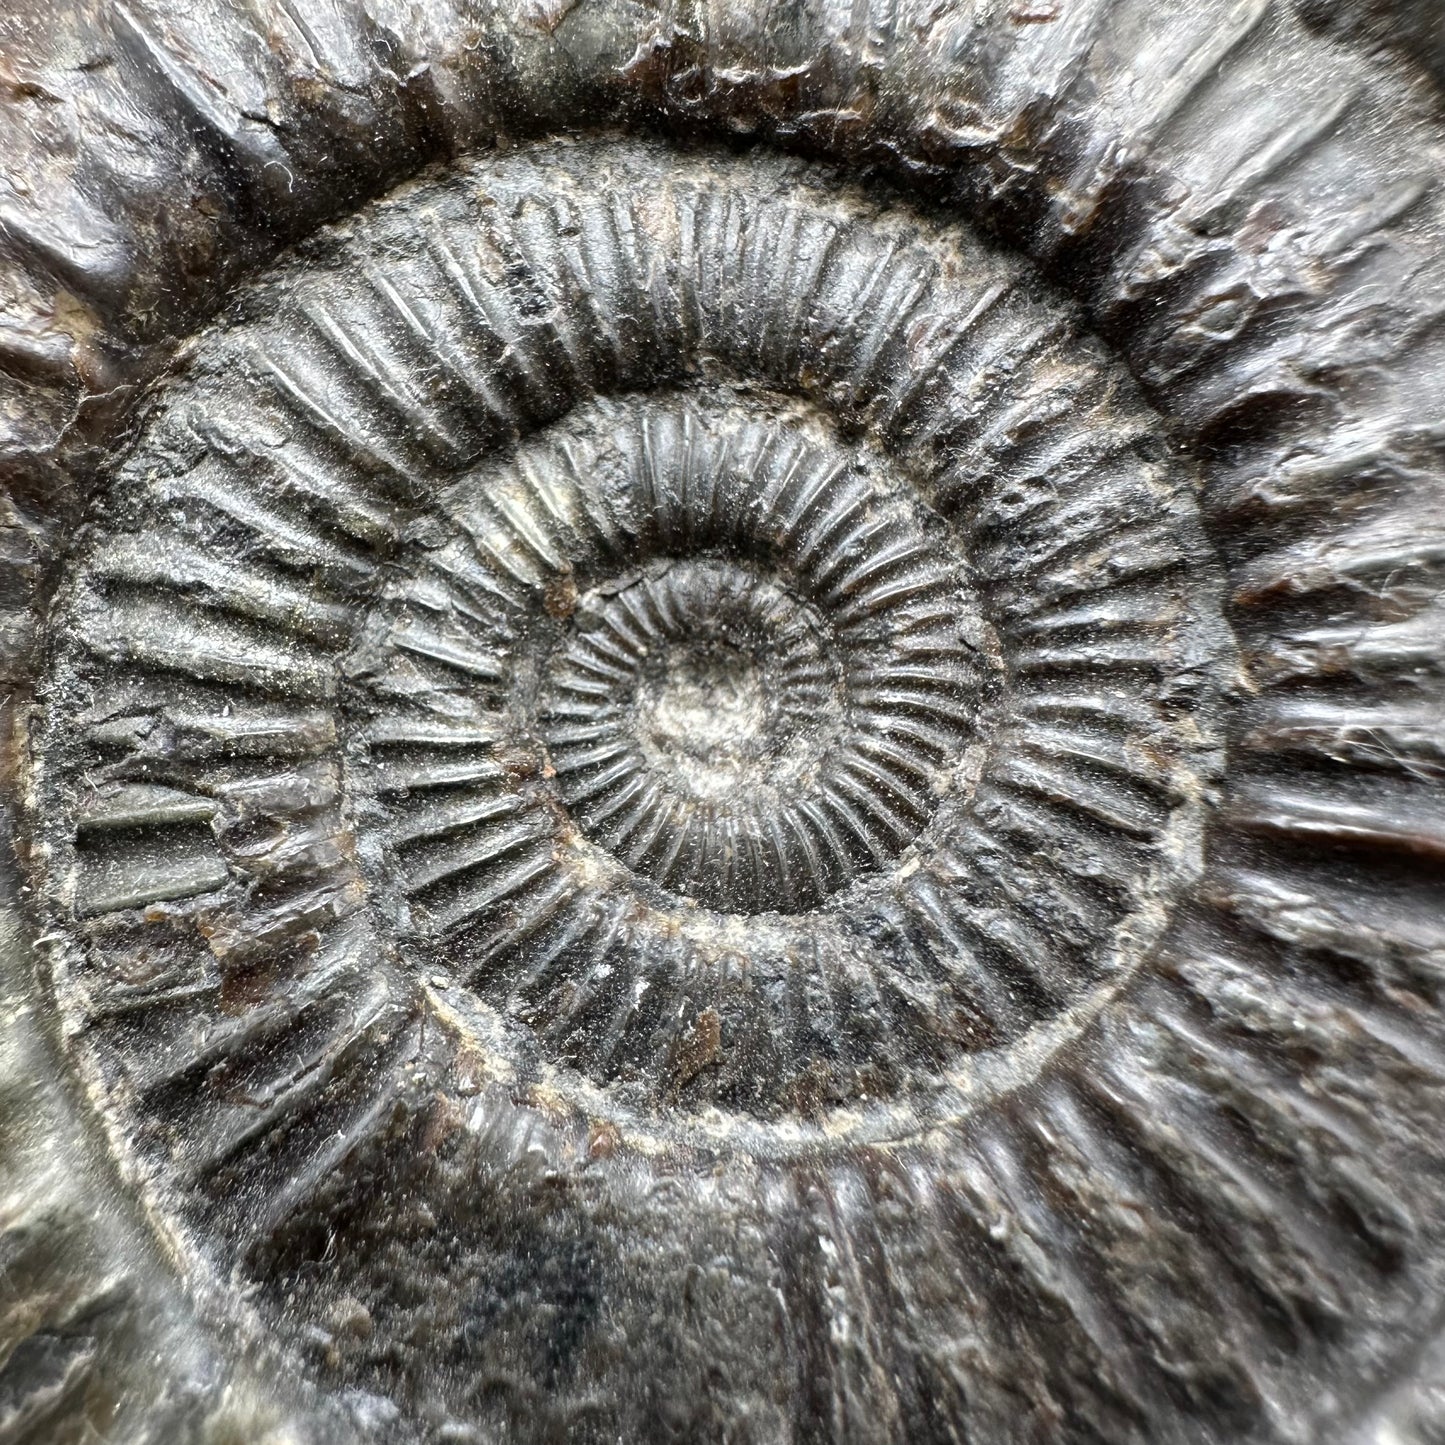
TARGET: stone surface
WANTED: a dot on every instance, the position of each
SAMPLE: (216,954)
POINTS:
(725,722)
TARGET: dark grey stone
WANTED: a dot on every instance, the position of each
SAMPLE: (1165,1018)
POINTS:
(725,721)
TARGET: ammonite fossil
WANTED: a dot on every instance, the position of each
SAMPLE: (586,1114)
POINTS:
(725,723)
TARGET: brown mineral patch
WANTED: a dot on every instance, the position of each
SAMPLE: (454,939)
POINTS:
(698,1049)
(559,598)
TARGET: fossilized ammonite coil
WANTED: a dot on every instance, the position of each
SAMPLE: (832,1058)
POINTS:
(750,645)
(753,755)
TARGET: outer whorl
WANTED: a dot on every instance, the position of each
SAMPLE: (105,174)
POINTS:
(757,761)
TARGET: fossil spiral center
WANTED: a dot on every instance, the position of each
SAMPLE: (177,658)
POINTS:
(710,705)
(691,714)
(703,712)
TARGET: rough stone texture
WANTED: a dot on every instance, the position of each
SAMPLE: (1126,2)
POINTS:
(754,753)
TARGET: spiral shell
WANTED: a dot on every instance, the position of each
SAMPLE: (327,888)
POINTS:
(678,791)
(811,721)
